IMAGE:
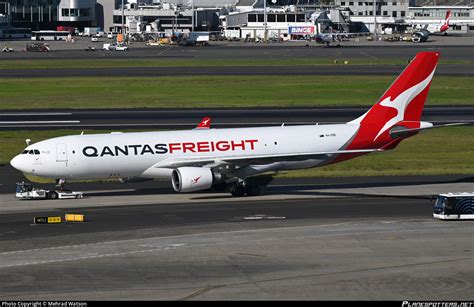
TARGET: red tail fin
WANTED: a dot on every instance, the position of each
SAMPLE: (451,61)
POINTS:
(445,25)
(446,19)
(403,101)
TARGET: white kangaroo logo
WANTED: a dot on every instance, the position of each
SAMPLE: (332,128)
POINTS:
(401,102)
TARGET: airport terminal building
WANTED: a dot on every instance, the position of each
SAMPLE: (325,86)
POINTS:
(48,14)
(237,18)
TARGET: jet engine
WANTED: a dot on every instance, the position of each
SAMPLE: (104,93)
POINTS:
(419,36)
(190,179)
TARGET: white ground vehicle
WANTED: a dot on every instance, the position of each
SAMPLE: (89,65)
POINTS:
(12,33)
(49,35)
(121,48)
(108,47)
(114,47)
(94,39)
(88,31)
(454,206)
(26,191)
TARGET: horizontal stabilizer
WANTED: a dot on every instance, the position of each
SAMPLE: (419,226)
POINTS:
(401,132)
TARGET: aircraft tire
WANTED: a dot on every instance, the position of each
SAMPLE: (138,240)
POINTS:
(237,190)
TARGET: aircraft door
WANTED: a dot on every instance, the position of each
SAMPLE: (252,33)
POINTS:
(61,153)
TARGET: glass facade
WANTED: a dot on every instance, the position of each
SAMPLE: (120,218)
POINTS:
(48,14)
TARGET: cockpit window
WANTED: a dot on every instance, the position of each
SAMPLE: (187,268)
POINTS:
(31,152)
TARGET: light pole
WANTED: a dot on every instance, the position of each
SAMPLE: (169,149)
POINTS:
(192,19)
(375,19)
(123,14)
(265,21)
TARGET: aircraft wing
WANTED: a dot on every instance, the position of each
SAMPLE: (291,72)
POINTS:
(209,161)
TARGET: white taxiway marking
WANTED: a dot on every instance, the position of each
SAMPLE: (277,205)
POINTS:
(370,56)
(34,114)
(41,122)
(79,252)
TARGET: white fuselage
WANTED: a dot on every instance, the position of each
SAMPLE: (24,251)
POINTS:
(429,26)
(125,155)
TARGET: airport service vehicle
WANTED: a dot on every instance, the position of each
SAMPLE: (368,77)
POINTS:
(94,39)
(49,35)
(200,159)
(121,48)
(194,39)
(27,191)
(15,33)
(90,31)
(114,47)
(112,35)
(7,49)
(454,206)
(37,47)
(108,47)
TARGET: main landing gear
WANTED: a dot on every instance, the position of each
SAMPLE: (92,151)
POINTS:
(243,189)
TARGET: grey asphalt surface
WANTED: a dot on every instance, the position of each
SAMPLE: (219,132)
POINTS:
(450,52)
(189,118)
(340,70)
(174,216)
(339,248)
(452,48)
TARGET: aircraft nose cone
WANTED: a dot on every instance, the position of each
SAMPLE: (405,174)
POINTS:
(16,163)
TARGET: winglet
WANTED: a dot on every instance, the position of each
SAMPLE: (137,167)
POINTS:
(204,124)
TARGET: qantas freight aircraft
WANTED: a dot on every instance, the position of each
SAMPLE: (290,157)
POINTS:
(200,159)
(430,26)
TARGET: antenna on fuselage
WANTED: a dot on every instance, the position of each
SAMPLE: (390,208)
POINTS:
(28,141)
(82,133)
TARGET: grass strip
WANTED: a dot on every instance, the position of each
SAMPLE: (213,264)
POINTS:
(216,92)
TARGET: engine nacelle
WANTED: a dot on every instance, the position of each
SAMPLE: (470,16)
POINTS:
(190,179)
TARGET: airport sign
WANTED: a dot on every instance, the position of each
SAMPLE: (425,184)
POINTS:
(301,30)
